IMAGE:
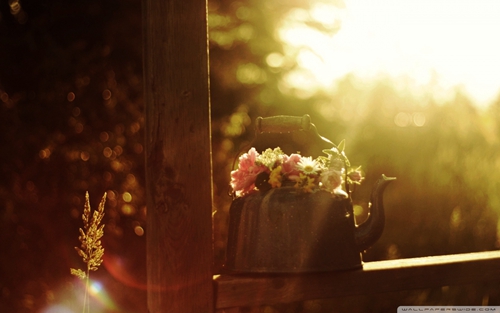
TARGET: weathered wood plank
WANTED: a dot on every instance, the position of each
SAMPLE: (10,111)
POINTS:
(375,277)
(178,157)
(234,310)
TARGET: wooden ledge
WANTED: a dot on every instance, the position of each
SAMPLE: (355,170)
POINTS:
(375,277)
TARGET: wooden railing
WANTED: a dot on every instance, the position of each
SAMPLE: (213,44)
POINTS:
(236,291)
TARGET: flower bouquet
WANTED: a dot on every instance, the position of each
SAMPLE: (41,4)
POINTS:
(274,169)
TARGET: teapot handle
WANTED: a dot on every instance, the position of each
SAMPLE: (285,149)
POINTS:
(275,126)
(286,124)
(283,124)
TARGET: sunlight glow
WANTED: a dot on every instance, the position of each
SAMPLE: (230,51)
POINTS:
(101,297)
(69,298)
(95,288)
(431,44)
(57,308)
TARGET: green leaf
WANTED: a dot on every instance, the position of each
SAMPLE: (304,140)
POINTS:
(341,145)
(332,151)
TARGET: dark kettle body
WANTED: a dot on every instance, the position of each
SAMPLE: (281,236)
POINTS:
(285,231)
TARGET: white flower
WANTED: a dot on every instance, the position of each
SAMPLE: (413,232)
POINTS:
(271,158)
(308,166)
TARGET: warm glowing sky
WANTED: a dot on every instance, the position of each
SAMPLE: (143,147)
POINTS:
(439,43)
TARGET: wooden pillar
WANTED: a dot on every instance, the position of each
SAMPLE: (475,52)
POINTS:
(178,157)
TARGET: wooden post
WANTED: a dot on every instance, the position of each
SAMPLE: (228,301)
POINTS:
(178,157)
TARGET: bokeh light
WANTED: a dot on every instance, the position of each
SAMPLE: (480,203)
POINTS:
(139,231)
(127,197)
(128,209)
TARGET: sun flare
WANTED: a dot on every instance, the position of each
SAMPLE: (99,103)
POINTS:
(433,44)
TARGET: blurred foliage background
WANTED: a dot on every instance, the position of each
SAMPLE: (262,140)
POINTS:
(71,120)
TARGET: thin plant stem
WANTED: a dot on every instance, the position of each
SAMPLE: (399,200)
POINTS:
(91,249)
(86,301)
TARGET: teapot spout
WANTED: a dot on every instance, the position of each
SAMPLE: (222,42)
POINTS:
(370,231)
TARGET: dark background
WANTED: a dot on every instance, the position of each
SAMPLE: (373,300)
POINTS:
(71,120)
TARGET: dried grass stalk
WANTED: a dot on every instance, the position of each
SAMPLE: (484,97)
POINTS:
(91,249)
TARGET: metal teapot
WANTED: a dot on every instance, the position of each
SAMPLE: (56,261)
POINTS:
(284,231)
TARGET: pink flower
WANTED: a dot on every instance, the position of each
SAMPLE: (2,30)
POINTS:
(247,160)
(290,168)
(355,176)
(331,179)
(243,179)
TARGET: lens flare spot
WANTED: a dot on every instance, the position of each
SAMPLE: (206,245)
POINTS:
(139,231)
(85,156)
(95,288)
(78,128)
(106,94)
(76,111)
(138,148)
(419,119)
(358,210)
(118,150)
(128,209)
(117,166)
(402,119)
(275,59)
(44,154)
(107,152)
(4,97)
(131,179)
(104,136)
(249,73)
(71,96)
(15,7)
(127,197)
